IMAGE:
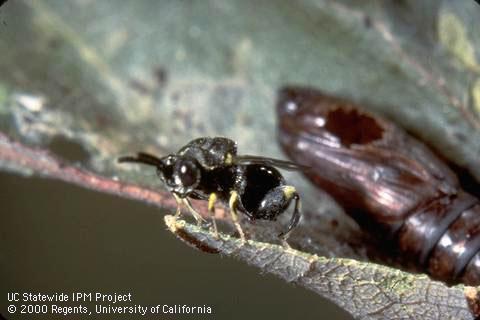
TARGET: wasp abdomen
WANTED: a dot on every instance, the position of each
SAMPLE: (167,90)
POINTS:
(389,182)
(259,191)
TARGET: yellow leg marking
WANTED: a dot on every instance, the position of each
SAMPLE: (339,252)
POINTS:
(211,209)
(194,213)
(228,159)
(289,191)
(233,201)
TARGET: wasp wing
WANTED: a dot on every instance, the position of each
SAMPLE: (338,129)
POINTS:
(282,164)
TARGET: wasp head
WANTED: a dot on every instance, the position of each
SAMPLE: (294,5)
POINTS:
(180,174)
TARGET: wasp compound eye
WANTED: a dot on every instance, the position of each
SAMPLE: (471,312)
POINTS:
(187,172)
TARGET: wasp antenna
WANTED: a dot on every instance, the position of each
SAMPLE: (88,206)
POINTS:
(141,158)
(149,157)
(127,159)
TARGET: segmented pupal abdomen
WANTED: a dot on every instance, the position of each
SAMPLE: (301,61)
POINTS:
(388,181)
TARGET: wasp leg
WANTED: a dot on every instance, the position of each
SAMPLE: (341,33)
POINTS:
(290,193)
(194,213)
(211,209)
(179,203)
(233,202)
(187,203)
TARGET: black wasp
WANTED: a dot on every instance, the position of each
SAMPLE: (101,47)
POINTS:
(210,169)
